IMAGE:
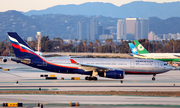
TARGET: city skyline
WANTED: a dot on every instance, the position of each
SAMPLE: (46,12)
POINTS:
(67,26)
(27,5)
(82,30)
(132,28)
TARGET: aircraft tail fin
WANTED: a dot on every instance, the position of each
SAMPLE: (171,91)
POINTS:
(20,47)
(140,48)
(133,48)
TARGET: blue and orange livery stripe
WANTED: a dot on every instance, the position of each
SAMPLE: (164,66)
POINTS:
(27,51)
(20,48)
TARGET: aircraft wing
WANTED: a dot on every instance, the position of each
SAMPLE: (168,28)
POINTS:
(56,55)
(1,57)
(101,70)
(177,56)
(89,67)
(66,56)
(137,55)
(5,58)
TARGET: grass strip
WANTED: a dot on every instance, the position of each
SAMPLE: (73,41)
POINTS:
(123,93)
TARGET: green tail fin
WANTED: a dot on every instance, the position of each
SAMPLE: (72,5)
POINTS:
(140,48)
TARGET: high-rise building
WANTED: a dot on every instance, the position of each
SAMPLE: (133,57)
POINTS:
(174,36)
(131,27)
(83,30)
(166,36)
(100,30)
(107,31)
(151,36)
(142,28)
(137,30)
(121,29)
(178,36)
(94,29)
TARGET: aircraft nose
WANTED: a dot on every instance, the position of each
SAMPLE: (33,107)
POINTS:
(169,68)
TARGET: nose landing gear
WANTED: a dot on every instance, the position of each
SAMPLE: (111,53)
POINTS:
(153,78)
(121,81)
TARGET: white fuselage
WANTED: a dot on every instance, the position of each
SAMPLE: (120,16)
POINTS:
(160,56)
(130,66)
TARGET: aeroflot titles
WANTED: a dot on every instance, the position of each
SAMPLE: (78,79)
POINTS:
(143,61)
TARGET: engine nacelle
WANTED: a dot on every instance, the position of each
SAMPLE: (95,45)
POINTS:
(116,74)
(4,59)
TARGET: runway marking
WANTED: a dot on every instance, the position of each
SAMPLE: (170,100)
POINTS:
(89,86)
(22,89)
(11,74)
(55,81)
(174,78)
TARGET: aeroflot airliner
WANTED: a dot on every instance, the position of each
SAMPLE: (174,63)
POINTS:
(92,67)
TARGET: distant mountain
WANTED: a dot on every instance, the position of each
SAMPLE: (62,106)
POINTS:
(170,25)
(65,26)
(14,21)
(133,9)
(95,8)
(53,25)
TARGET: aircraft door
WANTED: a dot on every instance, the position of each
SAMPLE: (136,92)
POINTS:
(156,65)
(132,64)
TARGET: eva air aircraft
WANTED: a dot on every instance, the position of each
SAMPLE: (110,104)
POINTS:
(139,51)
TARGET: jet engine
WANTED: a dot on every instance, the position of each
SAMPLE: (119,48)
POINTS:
(116,74)
(4,59)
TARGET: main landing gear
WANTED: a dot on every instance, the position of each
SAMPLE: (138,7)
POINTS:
(121,81)
(153,78)
(91,78)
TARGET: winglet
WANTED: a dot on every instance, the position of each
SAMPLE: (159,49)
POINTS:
(73,61)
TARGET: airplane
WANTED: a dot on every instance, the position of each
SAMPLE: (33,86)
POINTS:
(144,54)
(133,49)
(102,67)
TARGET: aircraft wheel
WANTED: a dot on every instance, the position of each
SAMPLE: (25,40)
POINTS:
(153,78)
(121,81)
(90,78)
(94,78)
(86,78)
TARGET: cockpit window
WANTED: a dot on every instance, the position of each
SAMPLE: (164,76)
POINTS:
(165,63)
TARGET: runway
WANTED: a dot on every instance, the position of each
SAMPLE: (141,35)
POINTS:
(29,79)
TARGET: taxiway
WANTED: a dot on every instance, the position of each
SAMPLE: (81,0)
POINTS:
(29,79)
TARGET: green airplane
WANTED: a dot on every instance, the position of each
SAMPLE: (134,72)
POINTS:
(144,54)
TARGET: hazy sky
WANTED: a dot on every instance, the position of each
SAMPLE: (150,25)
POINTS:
(26,5)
